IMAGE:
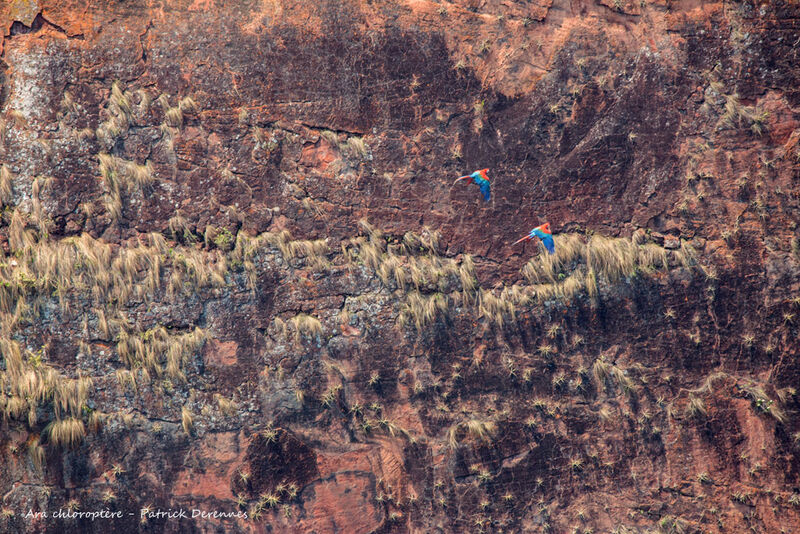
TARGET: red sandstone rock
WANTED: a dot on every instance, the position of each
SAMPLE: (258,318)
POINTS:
(599,116)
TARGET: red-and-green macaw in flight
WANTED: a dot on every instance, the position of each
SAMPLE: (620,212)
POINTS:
(482,180)
(543,233)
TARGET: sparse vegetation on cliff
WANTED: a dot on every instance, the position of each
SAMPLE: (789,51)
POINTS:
(195,309)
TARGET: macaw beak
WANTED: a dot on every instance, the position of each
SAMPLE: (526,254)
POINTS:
(526,238)
(462,178)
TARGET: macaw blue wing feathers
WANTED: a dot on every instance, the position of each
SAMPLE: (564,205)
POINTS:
(486,190)
(549,244)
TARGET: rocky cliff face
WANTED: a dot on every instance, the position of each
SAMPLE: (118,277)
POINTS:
(236,276)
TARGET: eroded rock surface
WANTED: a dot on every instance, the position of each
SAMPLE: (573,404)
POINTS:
(193,316)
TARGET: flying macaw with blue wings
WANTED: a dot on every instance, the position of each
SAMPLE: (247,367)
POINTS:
(543,233)
(482,180)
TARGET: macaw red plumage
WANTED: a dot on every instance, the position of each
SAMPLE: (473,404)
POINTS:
(482,180)
(543,233)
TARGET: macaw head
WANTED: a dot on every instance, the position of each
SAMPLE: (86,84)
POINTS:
(545,228)
(481,174)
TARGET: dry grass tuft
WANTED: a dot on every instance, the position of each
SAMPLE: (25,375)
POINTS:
(65,432)
(695,408)
(6,186)
(422,310)
(119,115)
(187,421)
(499,310)
(36,454)
(475,429)
(121,179)
(577,264)
(226,406)
(187,105)
(179,228)
(306,327)
(600,372)
(737,115)
(762,401)
(173,117)
(158,351)
(356,147)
